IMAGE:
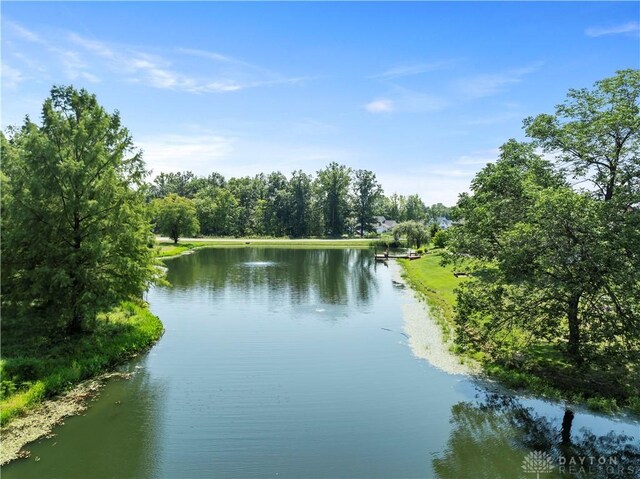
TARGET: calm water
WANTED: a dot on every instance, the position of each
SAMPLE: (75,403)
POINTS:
(293,364)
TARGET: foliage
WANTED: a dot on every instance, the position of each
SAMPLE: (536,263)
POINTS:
(597,134)
(74,230)
(300,207)
(184,184)
(38,363)
(366,195)
(333,203)
(216,211)
(582,275)
(415,210)
(175,216)
(332,188)
(440,239)
(415,232)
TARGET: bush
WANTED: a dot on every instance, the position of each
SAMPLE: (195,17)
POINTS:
(440,239)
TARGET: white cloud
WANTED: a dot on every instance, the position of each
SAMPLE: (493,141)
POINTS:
(480,86)
(630,28)
(380,105)
(414,69)
(200,153)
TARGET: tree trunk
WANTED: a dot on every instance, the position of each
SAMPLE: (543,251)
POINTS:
(75,325)
(565,432)
(574,328)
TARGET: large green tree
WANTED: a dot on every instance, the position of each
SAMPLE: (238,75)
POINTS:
(549,264)
(596,134)
(415,210)
(300,204)
(332,189)
(74,230)
(367,194)
(175,216)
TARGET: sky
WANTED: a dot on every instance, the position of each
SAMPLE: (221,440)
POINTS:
(421,93)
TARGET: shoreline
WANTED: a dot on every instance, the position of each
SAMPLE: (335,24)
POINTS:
(40,421)
(425,336)
(32,421)
(191,245)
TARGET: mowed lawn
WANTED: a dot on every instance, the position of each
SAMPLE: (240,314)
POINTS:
(435,281)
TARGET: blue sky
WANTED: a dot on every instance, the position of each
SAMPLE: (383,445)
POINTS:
(421,93)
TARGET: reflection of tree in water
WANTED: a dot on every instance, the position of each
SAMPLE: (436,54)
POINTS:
(490,439)
(335,276)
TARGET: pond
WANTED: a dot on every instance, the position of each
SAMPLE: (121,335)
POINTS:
(296,363)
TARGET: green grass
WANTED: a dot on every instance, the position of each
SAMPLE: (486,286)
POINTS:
(437,285)
(37,364)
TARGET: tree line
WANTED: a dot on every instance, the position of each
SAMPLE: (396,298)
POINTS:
(336,201)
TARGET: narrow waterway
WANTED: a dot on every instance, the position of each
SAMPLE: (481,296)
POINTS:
(298,363)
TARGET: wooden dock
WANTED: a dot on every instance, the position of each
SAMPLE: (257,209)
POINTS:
(383,257)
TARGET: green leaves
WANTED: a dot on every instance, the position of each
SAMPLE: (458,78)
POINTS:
(74,236)
(556,262)
(175,216)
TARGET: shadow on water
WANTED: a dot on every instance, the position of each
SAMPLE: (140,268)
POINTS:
(118,436)
(333,276)
(498,437)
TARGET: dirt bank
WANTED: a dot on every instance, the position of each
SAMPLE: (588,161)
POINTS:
(40,421)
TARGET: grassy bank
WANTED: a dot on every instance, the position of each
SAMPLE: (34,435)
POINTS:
(166,248)
(541,368)
(37,364)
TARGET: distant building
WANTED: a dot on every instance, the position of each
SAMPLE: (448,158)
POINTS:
(383,225)
(442,222)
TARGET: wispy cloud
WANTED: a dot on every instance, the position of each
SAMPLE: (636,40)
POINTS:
(484,85)
(11,77)
(23,33)
(629,28)
(149,69)
(93,60)
(380,105)
(414,69)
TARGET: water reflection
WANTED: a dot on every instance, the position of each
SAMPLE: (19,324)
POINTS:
(492,437)
(119,436)
(333,276)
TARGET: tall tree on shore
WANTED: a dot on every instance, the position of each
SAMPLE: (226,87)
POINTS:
(300,198)
(74,230)
(367,193)
(332,188)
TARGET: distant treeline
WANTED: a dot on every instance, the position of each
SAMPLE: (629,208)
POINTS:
(336,201)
